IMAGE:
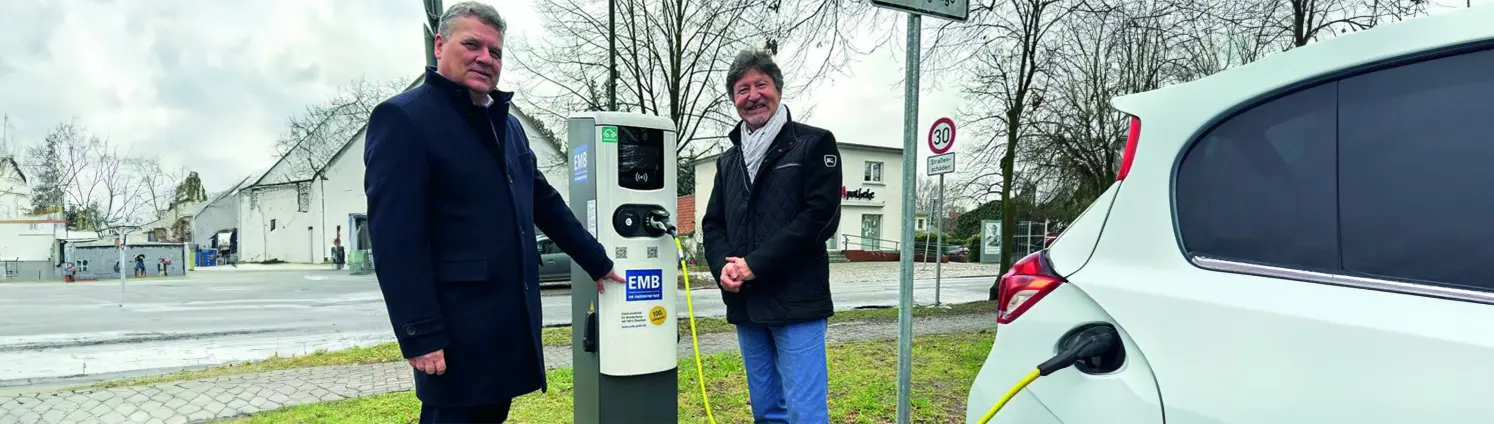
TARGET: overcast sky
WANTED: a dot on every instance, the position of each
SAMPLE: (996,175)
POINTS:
(209,84)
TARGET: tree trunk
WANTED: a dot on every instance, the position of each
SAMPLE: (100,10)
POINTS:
(1008,212)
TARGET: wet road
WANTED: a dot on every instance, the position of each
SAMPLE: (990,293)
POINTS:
(70,333)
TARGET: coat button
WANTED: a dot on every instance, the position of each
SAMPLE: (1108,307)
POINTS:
(410,329)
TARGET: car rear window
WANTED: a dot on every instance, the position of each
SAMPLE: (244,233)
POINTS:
(1416,157)
(1260,187)
(1381,174)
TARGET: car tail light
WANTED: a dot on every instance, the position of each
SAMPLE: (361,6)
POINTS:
(1130,154)
(1024,285)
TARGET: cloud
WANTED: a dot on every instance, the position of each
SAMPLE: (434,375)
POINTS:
(209,85)
(206,85)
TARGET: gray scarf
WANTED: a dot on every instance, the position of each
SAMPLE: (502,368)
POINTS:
(755,143)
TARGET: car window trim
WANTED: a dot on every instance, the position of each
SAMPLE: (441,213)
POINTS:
(1221,265)
(1351,281)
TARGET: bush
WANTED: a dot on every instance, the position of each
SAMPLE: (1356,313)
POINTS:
(925,242)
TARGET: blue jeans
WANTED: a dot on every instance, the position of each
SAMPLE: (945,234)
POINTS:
(787,377)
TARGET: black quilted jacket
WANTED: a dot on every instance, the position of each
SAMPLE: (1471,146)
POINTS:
(779,223)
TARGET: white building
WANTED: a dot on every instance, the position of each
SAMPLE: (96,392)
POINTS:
(295,219)
(219,216)
(870,218)
(28,243)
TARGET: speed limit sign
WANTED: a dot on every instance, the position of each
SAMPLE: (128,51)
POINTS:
(942,136)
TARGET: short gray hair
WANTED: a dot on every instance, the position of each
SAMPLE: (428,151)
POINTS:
(753,59)
(485,13)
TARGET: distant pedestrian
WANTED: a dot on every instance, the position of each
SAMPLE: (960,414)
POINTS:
(776,202)
(338,253)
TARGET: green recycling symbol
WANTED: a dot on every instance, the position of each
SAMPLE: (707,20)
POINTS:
(609,134)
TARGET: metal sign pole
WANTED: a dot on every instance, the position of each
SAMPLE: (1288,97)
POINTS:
(121,270)
(957,10)
(939,245)
(910,182)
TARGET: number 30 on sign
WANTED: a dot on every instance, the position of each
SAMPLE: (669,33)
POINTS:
(942,136)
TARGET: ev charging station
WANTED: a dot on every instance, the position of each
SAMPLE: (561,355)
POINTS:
(624,342)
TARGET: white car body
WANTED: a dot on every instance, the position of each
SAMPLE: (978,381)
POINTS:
(1212,341)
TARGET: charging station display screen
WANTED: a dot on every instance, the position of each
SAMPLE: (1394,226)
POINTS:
(640,158)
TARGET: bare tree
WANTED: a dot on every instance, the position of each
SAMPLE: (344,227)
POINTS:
(1008,44)
(157,186)
(1107,50)
(99,185)
(312,138)
(1250,26)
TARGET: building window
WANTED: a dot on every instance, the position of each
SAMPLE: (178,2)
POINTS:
(920,224)
(303,197)
(35,227)
(254,200)
(873,172)
(272,225)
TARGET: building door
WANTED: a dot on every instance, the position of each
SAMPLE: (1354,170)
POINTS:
(871,232)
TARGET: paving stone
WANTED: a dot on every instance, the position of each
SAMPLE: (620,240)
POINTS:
(201,416)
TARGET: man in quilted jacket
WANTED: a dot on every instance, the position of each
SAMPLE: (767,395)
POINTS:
(774,204)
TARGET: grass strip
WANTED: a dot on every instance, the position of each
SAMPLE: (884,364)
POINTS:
(863,388)
(549,336)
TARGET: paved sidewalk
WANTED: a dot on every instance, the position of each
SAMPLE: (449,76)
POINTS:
(243,394)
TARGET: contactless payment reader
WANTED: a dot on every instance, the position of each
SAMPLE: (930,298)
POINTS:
(624,342)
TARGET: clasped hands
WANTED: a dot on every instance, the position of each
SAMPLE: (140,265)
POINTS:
(735,273)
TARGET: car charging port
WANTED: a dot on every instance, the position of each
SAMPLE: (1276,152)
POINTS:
(1105,361)
(1091,349)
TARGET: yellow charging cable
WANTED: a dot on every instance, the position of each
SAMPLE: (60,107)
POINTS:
(1010,394)
(695,341)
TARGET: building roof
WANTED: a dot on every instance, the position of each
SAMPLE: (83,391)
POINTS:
(259,181)
(685,209)
(224,195)
(11,161)
(839,144)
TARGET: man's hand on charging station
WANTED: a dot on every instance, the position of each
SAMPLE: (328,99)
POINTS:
(744,272)
(611,276)
(431,363)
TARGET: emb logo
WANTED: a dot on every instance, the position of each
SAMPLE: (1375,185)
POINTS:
(645,284)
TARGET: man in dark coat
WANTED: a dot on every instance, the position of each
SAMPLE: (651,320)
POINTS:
(775,201)
(454,197)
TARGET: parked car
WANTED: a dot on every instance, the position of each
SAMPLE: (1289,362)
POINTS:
(555,266)
(1297,240)
(957,253)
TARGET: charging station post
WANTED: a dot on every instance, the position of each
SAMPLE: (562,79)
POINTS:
(624,342)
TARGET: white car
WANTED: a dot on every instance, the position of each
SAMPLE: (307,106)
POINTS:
(1304,239)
